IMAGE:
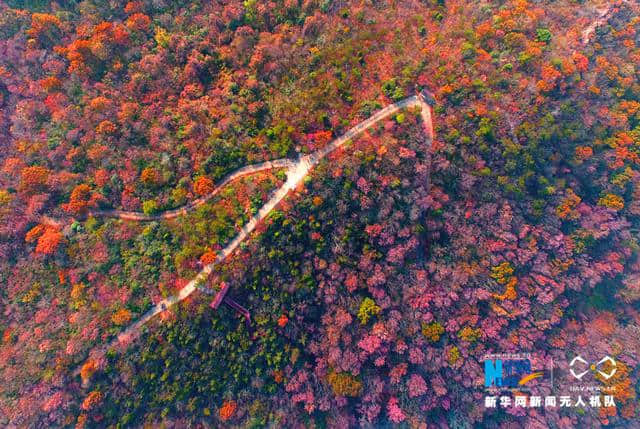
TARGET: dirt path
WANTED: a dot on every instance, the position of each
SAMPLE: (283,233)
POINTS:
(289,164)
(296,172)
(170,214)
(603,15)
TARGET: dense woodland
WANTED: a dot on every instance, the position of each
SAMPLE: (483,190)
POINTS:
(374,288)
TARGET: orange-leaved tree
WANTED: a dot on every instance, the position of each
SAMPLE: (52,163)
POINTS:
(203,185)
(81,198)
(49,241)
(227,410)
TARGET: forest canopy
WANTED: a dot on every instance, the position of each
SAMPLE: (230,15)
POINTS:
(139,139)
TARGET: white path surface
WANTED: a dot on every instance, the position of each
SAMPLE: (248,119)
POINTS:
(603,15)
(170,214)
(297,170)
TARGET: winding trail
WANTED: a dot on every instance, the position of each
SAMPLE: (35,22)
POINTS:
(170,214)
(603,15)
(297,170)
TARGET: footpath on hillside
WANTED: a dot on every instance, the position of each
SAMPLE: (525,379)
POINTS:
(297,170)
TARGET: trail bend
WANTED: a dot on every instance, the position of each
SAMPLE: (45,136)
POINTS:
(297,170)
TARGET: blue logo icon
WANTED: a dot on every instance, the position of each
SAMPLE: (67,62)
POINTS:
(508,373)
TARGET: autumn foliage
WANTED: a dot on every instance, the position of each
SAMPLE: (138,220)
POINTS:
(227,410)
(87,370)
(81,198)
(45,27)
(283,320)
(150,176)
(208,257)
(344,384)
(369,294)
(138,22)
(34,178)
(92,400)
(121,317)
(49,241)
(203,186)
